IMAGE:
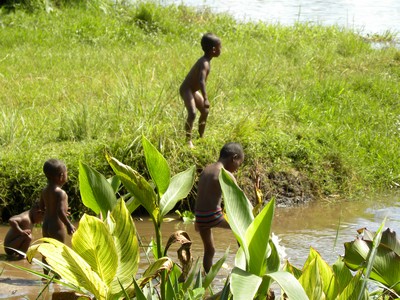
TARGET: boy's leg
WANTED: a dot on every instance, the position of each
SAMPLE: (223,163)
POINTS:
(203,112)
(209,249)
(190,105)
(21,243)
(224,224)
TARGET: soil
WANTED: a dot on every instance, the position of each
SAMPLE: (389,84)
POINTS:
(288,188)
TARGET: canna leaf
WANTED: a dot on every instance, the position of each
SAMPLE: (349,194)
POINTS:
(238,209)
(311,281)
(260,230)
(244,285)
(127,246)
(96,192)
(289,285)
(180,186)
(94,243)
(136,185)
(69,265)
(157,166)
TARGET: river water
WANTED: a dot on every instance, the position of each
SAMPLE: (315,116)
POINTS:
(324,226)
(363,16)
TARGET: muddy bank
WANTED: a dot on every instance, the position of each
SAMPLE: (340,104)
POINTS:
(288,188)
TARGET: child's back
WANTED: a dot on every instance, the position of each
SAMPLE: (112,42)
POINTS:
(54,201)
(19,236)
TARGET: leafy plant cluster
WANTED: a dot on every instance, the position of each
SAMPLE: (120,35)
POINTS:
(104,259)
(314,107)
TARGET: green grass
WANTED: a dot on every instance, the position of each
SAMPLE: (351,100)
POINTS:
(317,103)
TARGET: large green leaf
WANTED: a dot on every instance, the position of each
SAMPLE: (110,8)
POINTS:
(343,274)
(127,246)
(289,285)
(354,289)
(115,183)
(329,285)
(94,243)
(238,209)
(390,240)
(386,264)
(274,260)
(96,192)
(180,186)
(157,166)
(244,285)
(257,237)
(137,186)
(132,204)
(311,281)
(288,267)
(69,265)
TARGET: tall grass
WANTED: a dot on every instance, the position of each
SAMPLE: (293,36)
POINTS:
(315,102)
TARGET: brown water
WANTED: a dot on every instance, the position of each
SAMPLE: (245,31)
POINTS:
(324,226)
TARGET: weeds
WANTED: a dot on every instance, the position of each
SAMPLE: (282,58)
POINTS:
(84,78)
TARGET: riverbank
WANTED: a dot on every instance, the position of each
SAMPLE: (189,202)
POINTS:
(316,108)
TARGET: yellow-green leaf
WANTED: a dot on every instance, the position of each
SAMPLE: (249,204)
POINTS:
(69,265)
(94,243)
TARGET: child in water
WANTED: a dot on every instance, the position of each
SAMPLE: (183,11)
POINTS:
(208,209)
(54,202)
(194,82)
(19,236)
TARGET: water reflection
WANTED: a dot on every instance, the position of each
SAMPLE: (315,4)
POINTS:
(326,227)
(364,16)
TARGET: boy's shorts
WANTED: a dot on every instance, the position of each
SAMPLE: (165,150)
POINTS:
(208,219)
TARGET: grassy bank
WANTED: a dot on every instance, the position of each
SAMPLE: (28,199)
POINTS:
(316,108)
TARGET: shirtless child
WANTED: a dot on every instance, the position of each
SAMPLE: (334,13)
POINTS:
(54,202)
(19,236)
(194,82)
(209,197)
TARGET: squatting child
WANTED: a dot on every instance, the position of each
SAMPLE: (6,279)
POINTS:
(19,236)
(208,209)
(194,82)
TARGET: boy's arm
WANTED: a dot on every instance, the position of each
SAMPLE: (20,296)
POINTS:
(63,213)
(14,224)
(41,203)
(204,70)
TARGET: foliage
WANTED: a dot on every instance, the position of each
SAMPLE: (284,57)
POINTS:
(104,256)
(187,216)
(168,190)
(377,256)
(257,260)
(309,92)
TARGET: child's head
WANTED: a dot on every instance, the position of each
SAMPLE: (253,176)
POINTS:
(233,155)
(55,171)
(36,214)
(210,43)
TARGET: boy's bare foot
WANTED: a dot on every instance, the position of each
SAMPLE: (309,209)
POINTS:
(190,144)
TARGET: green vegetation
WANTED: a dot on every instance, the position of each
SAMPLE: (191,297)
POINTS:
(103,261)
(316,108)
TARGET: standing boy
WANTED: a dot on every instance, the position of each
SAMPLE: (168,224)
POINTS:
(209,197)
(19,236)
(54,202)
(194,82)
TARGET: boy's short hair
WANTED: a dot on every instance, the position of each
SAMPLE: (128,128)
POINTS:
(53,167)
(231,149)
(208,41)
